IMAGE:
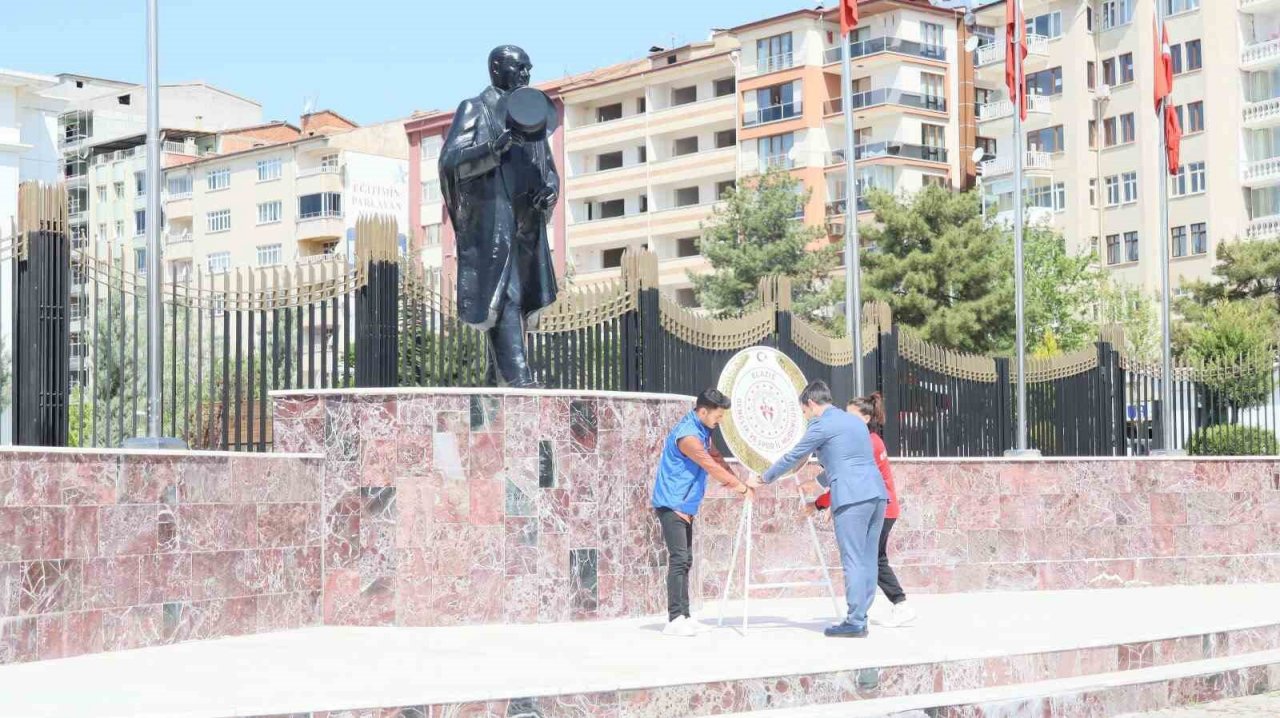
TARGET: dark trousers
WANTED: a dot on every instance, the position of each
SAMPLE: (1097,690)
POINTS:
(678,535)
(887,579)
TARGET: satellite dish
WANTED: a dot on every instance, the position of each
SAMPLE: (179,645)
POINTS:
(972,43)
(978,155)
(1104,92)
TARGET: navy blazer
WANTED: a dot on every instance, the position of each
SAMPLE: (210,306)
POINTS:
(842,444)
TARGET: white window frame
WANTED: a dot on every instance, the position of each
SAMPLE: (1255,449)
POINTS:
(1129,187)
(270,255)
(217,180)
(431,147)
(329,163)
(431,192)
(1191,180)
(217,221)
(219,262)
(1112,184)
(270,170)
(1116,13)
(270,212)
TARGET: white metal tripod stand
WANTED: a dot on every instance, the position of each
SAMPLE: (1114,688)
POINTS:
(744,537)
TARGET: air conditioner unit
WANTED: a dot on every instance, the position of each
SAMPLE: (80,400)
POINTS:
(835,229)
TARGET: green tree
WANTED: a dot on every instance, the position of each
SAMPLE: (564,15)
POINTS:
(1136,313)
(1233,345)
(948,273)
(756,235)
(1245,271)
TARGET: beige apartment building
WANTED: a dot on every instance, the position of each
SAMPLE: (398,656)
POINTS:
(278,203)
(1092,162)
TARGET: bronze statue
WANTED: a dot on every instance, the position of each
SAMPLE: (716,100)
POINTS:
(500,185)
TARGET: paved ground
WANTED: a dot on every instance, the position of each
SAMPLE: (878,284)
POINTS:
(335,668)
(1265,706)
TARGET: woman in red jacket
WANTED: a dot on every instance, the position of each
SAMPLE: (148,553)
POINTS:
(871,410)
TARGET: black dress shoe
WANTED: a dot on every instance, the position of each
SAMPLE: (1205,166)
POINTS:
(845,630)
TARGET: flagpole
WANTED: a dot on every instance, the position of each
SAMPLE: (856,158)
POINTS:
(1019,296)
(853,267)
(1166,349)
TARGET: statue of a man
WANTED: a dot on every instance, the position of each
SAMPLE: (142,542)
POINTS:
(499,187)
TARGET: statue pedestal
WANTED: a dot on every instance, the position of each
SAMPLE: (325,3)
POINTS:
(468,506)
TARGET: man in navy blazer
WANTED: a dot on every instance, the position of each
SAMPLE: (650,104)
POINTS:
(858,497)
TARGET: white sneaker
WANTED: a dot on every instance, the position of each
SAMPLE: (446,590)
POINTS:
(679,626)
(901,615)
(698,626)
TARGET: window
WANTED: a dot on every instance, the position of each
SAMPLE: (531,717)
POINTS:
(1189,180)
(179,185)
(1175,53)
(219,263)
(608,161)
(1113,249)
(687,196)
(1090,75)
(269,255)
(687,247)
(723,87)
(642,105)
(124,100)
(1129,184)
(1173,7)
(1125,63)
(1088,18)
(1191,117)
(609,113)
(1040,196)
(219,221)
(934,181)
(612,208)
(988,145)
(1045,82)
(644,203)
(1195,60)
(1093,192)
(218,179)
(1199,238)
(119,228)
(684,95)
(140,183)
(932,36)
(611,258)
(722,188)
(1118,130)
(1178,239)
(269,169)
(431,147)
(1109,71)
(685,146)
(431,191)
(269,212)
(1113,190)
(431,234)
(775,151)
(726,138)
(322,204)
(773,53)
(933,87)
(1093,134)
(1060,197)
(102,193)
(642,153)
(1110,133)
(1048,24)
(1047,140)
(329,163)
(119,189)
(1116,13)
(1130,246)
(102,231)
(140,222)
(778,102)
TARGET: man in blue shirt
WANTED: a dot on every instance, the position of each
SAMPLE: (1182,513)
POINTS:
(687,458)
(858,497)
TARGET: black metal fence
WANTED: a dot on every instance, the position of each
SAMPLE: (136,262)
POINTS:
(233,337)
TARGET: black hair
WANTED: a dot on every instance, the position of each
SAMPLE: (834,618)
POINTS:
(817,392)
(712,398)
(873,407)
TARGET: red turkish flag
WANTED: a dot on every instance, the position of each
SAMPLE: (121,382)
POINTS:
(1015,31)
(848,16)
(1172,138)
(1163,66)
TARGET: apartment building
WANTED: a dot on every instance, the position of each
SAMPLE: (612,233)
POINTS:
(281,202)
(1093,150)
(909,94)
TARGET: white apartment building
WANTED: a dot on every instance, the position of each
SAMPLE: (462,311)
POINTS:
(281,203)
(1093,147)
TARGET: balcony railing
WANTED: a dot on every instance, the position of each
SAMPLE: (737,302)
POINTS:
(320,214)
(177,237)
(1260,53)
(774,63)
(1264,227)
(893,96)
(1001,109)
(321,170)
(875,45)
(774,113)
(993,52)
(769,162)
(178,196)
(837,208)
(876,150)
(1262,111)
(1268,169)
(1257,5)
(180,148)
(1035,160)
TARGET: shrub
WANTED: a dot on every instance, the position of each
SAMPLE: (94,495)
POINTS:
(1230,440)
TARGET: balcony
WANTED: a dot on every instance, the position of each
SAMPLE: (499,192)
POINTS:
(326,224)
(698,165)
(992,53)
(1264,228)
(608,132)
(171,238)
(1260,55)
(320,170)
(603,182)
(775,63)
(1000,109)
(888,96)
(1262,173)
(773,162)
(1258,115)
(1035,161)
(180,148)
(1258,6)
(882,150)
(895,45)
(775,113)
(692,115)
(837,208)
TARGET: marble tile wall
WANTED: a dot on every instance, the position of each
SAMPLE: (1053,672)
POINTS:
(1005,525)
(103,551)
(445,509)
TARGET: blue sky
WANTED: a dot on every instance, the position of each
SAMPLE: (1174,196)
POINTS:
(370,60)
